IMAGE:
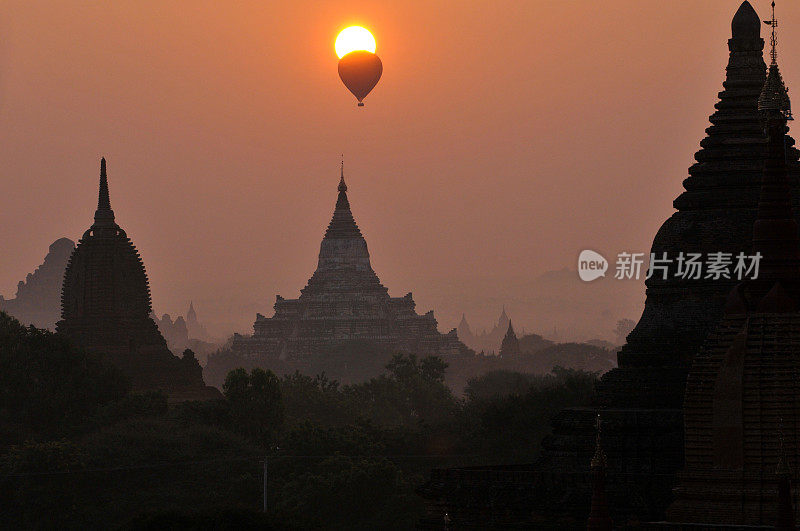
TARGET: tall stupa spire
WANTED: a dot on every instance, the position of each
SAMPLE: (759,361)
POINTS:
(343,245)
(341,202)
(342,185)
(342,224)
(104,215)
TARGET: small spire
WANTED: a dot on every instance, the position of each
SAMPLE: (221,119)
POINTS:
(773,41)
(103,200)
(503,315)
(510,331)
(774,95)
(104,214)
(342,185)
(342,203)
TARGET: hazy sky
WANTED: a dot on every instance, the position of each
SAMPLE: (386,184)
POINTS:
(503,138)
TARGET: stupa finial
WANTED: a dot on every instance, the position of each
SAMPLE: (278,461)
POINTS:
(104,214)
(342,185)
(103,199)
(746,25)
(774,95)
(773,40)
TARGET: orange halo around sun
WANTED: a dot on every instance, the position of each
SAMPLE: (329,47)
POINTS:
(352,39)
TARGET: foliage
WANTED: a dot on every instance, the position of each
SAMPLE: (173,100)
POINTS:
(47,386)
(49,456)
(512,424)
(255,402)
(532,343)
(412,392)
(339,456)
(149,404)
(314,399)
(499,384)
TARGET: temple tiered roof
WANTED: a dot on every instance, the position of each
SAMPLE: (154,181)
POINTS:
(743,391)
(344,300)
(344,263)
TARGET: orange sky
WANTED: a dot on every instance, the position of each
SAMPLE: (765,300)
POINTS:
(503,138)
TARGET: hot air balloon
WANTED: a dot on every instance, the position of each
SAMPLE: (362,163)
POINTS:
(360,71)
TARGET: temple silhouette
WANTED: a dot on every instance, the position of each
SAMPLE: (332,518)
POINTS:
(742,404)
(105,308)
(642,400)
(344,301)
(509,348)
(38,298)
(484,341)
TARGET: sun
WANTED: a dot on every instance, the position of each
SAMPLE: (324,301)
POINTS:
(354,38)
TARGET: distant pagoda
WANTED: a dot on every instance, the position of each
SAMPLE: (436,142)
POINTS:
(344,301)
(105,308)
(509,348)
(487,342)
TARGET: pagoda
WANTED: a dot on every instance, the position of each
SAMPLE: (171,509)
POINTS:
(344,301)
(105,308)
(643,396)
(742,405)
(642,399)
(509,348)
(484,341)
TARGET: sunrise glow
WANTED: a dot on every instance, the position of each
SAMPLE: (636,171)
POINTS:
(354,38)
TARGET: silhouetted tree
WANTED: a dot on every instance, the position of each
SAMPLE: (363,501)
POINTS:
(255,401)
(47,385)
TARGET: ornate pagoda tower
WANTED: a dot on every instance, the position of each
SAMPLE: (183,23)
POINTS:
(105,308)
(643,397)
(742,406)
(344,301)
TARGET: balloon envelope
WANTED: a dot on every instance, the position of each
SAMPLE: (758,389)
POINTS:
(360,71)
